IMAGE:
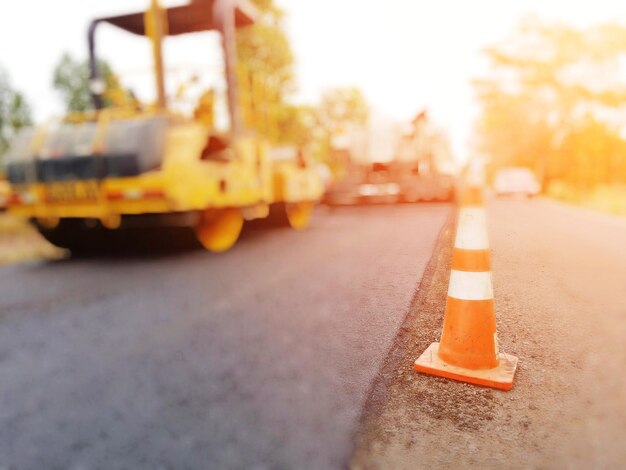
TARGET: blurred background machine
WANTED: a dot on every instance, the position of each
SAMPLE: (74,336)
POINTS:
(396,165)
(101,175)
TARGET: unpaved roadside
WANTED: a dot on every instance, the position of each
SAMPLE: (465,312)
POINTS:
(20,242)
(561,308)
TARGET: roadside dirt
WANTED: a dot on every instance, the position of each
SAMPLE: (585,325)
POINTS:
(568,405)
(19,242)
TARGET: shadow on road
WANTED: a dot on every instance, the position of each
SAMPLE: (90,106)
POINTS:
(151,244)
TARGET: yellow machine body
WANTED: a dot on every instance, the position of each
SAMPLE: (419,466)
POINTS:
(223,179)
(241,176)
(245,177)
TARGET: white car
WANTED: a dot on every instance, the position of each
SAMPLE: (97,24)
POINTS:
(514,180)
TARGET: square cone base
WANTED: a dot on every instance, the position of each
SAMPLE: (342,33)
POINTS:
(500,377)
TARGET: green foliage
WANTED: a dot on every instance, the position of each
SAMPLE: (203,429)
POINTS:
(552,103)
(266,56)
(340,111)
(15,112)
(71,81)
(267,60)
(297,124)
(341,107)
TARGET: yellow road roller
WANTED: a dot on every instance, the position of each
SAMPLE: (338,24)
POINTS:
(113,169)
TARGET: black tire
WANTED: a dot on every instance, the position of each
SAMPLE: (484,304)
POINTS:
(75,236)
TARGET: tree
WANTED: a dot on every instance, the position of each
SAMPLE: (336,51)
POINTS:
(71,80)
(15,112)
(341,107)
(340,112)
(297,125)
(266,61)
(266,66)
(552,89)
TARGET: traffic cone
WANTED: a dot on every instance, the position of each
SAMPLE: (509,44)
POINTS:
(468,350)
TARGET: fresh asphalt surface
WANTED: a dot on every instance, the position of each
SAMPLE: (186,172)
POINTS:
(261,357)
(559,281)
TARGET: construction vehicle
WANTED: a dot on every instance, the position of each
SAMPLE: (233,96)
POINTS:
(114,169)
(423,166)
(410,166)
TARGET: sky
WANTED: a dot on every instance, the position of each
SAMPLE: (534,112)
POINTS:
(405,55)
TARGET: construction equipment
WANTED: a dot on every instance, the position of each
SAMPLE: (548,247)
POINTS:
(114,169)
(416,168)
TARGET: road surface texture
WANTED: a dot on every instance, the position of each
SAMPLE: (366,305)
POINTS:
(560,289)
(261,357)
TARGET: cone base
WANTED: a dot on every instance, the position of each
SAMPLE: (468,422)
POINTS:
(500,377)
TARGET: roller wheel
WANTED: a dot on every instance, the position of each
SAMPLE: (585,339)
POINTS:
(124,242)
(299,214)
(219,230)
(67,234)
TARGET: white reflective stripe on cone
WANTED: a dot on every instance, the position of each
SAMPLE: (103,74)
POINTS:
(470,286)
(471,234)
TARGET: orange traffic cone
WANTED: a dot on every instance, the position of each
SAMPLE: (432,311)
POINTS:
(468,350)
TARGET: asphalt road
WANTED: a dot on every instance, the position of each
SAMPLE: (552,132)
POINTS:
(559,275)
(261,357)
